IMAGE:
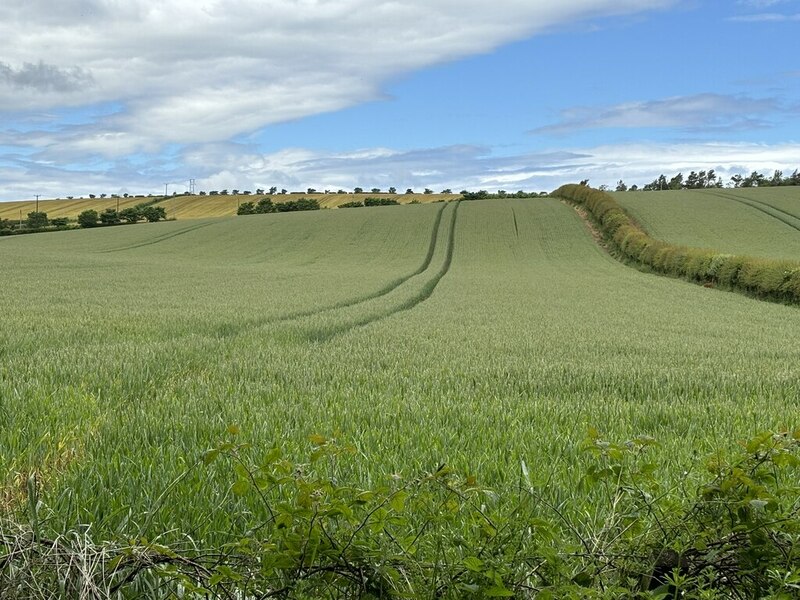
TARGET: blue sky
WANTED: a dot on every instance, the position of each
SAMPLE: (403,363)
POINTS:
(300,93)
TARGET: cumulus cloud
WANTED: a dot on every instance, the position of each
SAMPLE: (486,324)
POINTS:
(700,111)
(233,166)
(41,77)
(185,72)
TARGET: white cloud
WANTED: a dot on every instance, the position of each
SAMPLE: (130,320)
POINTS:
(186,71)
(234,166)
(700,111)
(767,18)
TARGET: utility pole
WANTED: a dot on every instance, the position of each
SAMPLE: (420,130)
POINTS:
(37,202)
(165,189)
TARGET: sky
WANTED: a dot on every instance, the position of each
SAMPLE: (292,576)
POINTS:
(115,96)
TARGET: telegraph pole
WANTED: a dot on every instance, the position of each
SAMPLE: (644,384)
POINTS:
(166,185)
(37,202)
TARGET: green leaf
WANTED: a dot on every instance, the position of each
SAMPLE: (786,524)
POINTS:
(398,502)
(499,592)
(241,487)
(473,563)
(210,456)
(233,429)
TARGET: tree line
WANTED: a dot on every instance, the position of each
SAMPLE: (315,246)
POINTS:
(266,205)
(111,216)
(709,179)
(38,221)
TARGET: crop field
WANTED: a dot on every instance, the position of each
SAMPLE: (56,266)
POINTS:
(197,207)
(758,222)
(64,208)
(481,335)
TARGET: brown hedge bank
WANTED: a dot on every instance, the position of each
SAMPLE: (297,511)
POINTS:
(776,280)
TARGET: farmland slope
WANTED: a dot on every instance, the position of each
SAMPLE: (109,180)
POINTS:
(757,222)
(476,335)
(195,206)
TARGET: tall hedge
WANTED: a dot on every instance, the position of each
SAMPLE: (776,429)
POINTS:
(769,279)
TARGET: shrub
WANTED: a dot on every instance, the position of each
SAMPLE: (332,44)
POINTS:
(246,208)
(380,202)
(88,218)
(36,220)
(352,205)
(109,217)
(153,213)
(131,215)
(264,206)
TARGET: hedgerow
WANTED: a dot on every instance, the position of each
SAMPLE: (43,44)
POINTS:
(769,279)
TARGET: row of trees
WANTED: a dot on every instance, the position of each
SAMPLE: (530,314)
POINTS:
(370,201)
(36,221)
(709,179)
(110,216)
(266,205)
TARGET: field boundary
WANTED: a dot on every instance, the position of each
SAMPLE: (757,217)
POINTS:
(766,279)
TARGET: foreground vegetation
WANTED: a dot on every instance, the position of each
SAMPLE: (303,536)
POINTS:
(416,390)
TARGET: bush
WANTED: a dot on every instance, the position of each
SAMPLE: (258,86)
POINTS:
(36,220)
(88,218)
(246,208)
(153,213)
(131,215)
(297,205)
(380,202)
(109,217)
(265,206)
(352,205)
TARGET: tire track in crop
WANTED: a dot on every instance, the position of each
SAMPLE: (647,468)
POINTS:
(158,239)
(762,207)
(387,289)
(229,330)
(326,334)
(516,227)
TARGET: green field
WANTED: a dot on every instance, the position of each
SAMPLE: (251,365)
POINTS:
(475,334)
(758,222)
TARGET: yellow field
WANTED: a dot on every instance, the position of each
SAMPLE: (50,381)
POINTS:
(64,208)
(199,207)
(195,207)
